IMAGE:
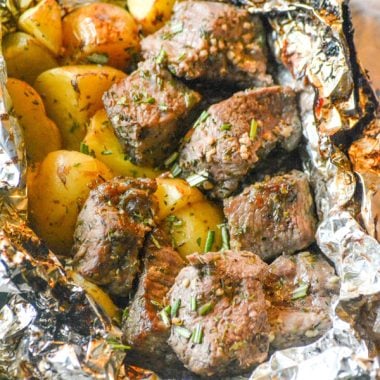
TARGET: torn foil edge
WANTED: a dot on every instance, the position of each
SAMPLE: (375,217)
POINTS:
(340,238)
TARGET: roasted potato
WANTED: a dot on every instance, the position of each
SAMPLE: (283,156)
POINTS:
(190,226)
(101,141)
(151,14)
(41,134)
(58,191)
(43,21)
(173,194)
(25,57)
(100,33)
(72,94)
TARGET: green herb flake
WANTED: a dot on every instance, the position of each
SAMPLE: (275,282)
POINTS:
(193,303)
(84,148)
(155,242)
(204,116)
(117,345)
(176,170)
(253,129)
(197,179)
(163,107)
(175,308)
(225,236)
(301,291)
(225,127)
(106,152)
(75,126)
(164,314)
(197,335)
(98,58)
(205,309)
(209,241)
(199,241)
(161,57)
(170,160)
(183,331)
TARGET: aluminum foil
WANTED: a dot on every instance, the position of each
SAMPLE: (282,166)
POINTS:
(49,327)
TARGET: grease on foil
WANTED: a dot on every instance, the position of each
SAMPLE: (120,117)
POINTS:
(50,329)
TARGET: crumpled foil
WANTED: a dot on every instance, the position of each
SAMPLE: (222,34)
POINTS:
(49,327)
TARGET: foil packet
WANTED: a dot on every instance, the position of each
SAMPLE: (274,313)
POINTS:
(51,329)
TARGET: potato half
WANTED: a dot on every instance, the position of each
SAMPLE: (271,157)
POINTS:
(100,33)
(57,192)
(72,95)
(41,134)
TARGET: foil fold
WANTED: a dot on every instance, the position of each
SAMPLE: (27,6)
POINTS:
(49,327)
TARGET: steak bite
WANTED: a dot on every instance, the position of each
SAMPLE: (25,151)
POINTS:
(272,217)
(150,111)
(110,231)
(222,326)
(300,289)
(212,41)
(144,329)
(231,138)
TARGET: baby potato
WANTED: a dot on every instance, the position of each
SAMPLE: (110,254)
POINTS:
(72,94)
(25,57)
(58,191)
(43,21)
(189,227)
(41,134)
(173,194)
(151,14)
(104,145)
(100,33)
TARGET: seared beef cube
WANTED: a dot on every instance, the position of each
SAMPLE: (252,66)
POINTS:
(144,330)
(229,140)
(272,217)
(150,111)
(300,289)
(213,41)
(222,326)
(110,231)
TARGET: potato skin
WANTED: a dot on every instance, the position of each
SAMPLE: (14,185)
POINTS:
(72,94)
(25,57)
(57,192)
(100,33)
(190,225)
(173,194)
(41,134)
(151,14)
(43,21)
(103,143)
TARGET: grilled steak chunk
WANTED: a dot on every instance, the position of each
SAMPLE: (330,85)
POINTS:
(223,327)
(144,330)
(212,41)
(300,289)
(110,231)
(149,111)
(229,140)
(272,217)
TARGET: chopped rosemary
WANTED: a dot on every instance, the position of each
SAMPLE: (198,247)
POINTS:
(197,179)
(164,313)
(183,331)
(98,58)
(209,241)
(116,345)
(197,335)
(253,129)
(176,170)
(175,308)
(106,152)
(204,116)
(155,242)
(193,303)
(301,291)
(170,160)
(206,308)
(161,57)
(163,107)
(225,237)
(225,127)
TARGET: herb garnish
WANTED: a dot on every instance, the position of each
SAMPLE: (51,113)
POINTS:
(209,241)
